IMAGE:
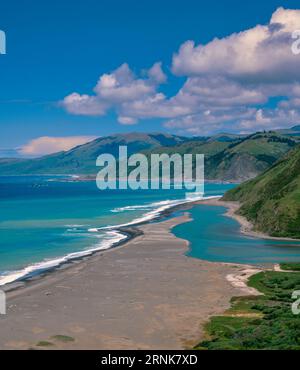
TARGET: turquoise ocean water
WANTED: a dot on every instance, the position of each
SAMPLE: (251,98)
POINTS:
(45,221)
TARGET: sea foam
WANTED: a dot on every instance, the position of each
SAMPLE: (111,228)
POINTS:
(111,237)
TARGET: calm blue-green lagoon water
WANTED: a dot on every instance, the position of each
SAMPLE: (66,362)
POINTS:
(45,221)
(216,237)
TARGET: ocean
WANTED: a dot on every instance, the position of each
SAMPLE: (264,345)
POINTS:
(48,220)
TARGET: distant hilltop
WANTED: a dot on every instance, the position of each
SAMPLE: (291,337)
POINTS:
(228,157)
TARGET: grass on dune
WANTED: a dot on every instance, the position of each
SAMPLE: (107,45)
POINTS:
(290,266)
(259,322)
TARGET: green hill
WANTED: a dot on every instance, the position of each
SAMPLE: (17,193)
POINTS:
(82,159)
(246,158)
(293,131)
(236,159)
(227,157)
(272,200)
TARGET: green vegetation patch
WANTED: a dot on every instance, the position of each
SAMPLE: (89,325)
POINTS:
(290,266)
(44,343)
(259,322)
(63,338)
(244,306)
(271,201)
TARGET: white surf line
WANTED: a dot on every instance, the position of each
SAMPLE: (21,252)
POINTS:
(117,237)
(154,213)
(13,276)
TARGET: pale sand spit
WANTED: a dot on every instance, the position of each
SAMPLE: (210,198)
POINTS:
(144,295)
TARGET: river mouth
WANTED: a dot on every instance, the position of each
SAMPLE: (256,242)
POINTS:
(214,237)
(48,221)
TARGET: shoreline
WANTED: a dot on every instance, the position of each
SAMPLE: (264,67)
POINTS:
(129,234)
(128,231)
(92,177)
(246,227)
(132,230)
(102,301)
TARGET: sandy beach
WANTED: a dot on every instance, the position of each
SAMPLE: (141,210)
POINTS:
(145,294)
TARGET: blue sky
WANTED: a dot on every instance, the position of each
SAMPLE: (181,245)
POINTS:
(57,48)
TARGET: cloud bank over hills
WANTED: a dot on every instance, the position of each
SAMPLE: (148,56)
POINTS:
(231,84)
(47,145)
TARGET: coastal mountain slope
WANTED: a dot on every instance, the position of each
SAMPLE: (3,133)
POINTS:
(272,200)
(82,159)
(293,131)
(248,157)
(227,157)
(236,159)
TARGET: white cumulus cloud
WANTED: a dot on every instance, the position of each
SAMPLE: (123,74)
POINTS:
(230,83)
(262,53)
(115,89)
(47,145)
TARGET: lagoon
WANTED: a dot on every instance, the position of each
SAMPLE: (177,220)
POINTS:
(215,237)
